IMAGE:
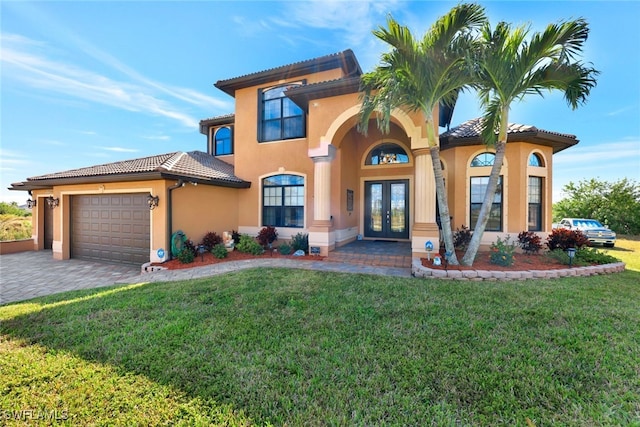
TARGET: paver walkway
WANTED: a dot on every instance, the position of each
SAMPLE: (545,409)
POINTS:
(31,274)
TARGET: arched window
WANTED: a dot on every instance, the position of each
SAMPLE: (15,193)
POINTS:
(283,201)
(535,160)
(223,144)
(280,117)
(387,153)
(484,159)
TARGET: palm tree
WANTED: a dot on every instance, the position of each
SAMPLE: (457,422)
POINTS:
(418,74)
(508,68)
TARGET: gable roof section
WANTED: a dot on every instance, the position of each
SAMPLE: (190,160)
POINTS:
(194,166)
(346,60)
(468,133)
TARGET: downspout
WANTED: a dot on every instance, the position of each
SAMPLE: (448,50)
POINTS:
(179,184)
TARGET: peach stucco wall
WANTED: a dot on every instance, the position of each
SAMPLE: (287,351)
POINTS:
(515,171)
(203,208)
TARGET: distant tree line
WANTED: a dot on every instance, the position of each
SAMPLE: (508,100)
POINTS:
(616,204)
(12,209)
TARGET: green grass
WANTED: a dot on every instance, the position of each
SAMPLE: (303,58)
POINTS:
(291,347)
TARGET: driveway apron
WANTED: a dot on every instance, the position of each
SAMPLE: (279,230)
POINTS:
(32,274)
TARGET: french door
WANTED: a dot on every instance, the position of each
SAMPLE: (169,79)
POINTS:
(386,213)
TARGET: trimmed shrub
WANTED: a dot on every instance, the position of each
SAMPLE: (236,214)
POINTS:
(590,256)
(285,249)
(563,238)
(186,256)
(219,251)
(300,242)
(210,240)
(249,245)
(530,242)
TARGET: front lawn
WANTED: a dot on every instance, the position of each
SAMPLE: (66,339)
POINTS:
(293,347)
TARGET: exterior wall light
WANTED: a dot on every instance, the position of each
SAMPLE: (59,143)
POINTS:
(53,202)
(31,204)
(152,201)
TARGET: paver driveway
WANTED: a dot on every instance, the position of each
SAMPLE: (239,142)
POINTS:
(32,274)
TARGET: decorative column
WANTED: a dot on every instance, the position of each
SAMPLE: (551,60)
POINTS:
(320,231)
(424,227)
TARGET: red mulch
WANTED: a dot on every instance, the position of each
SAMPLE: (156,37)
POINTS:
(522,262)
(209,259)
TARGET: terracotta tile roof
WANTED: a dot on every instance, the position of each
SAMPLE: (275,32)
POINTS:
(194,164)
(346,60)
(472,129)
(222,118)
(200,165)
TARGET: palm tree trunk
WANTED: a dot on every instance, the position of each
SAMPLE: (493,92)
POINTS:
(483,216)
(443,206)
(441,193)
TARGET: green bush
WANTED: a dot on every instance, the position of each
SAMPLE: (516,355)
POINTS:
(502,252)
(186,256)
(12,209)
(300,242)
(590,256)
(249,245)
(219,251)
(285,249)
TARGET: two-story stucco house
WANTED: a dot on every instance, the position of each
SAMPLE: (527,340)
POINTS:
(290,156)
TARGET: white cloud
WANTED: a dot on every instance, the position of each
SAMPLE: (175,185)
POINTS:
(157,137)
(622,110)
(602,154)
(24,61)
(363,17)
(119,149)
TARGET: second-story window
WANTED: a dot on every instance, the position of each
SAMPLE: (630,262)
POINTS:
(280,117)
(223,144)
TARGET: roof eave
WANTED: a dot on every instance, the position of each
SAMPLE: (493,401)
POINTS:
(205,124)
(43,184)
(345,60)
(301,95)
(217,182)
(557,142)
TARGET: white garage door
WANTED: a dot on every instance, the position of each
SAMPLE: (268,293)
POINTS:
(110,227)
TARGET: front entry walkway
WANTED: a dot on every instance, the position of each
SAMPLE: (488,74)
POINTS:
(374,252)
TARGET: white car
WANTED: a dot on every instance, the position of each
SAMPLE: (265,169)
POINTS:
(593,229)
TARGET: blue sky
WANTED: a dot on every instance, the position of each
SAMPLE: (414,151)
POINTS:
(85,83)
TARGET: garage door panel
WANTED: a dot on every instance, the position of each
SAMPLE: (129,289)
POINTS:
(113,228)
